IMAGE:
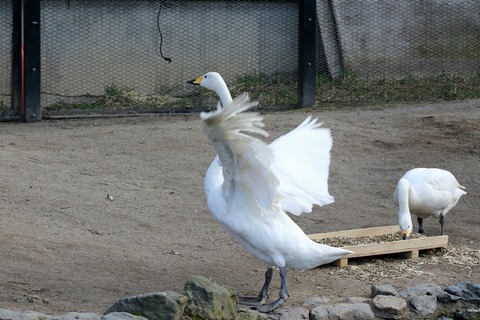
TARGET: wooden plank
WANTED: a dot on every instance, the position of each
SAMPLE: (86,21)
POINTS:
(373,231)
(372,249)
(409,248)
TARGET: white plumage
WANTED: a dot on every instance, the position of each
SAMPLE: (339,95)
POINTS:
(425,192)
(250,185)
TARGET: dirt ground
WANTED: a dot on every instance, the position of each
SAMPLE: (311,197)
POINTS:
(65,247)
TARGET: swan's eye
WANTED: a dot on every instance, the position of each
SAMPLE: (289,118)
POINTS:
(206,76)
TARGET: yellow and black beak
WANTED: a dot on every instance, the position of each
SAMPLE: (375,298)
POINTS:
(196,81)
(404,234)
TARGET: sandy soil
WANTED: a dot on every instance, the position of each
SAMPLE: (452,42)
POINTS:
(65,247)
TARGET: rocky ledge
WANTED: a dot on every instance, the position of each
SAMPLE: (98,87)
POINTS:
(203,298)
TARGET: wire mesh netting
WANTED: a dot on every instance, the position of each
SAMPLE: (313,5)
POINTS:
(141,53)
(382,51)
(5,53)
(397,38)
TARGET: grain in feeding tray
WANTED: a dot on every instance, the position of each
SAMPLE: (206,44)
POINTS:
(377,241)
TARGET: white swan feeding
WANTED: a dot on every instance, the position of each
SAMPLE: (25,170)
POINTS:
(251,185)
(425,192)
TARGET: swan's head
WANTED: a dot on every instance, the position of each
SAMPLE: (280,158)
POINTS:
(406,226)
(214,81)
(210,80)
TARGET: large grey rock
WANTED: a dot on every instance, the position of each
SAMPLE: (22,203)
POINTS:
(424,305)
(420,290)
(357,300)
(32,315)
(250,315)
(119,316)
(344,311)
(388,306)
(383,289)
(468,314)
(24,315)
(293,313)
(79,316)
(168,305)
(209,300)
(314,301)
(428,289)
(465,290)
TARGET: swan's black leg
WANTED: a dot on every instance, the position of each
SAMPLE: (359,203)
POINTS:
(442,221)
(283,294)
(420,225)
(263,295)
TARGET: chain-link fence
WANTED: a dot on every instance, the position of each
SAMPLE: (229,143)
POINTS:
(144,51)
(139,53)
(398,38)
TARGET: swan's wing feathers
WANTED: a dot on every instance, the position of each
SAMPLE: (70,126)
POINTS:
(246,160)
(301,163)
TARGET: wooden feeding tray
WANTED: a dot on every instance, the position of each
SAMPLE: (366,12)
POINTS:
(409,248)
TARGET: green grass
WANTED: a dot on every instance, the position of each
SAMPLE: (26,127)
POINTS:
(348,89)
(345,90)
(120,97)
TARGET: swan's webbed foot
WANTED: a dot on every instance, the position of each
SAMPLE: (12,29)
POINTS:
(262,296)
(259,302)
(270,306)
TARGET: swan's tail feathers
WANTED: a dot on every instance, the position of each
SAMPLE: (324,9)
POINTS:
(302,162)
(245,159)
(459,192)
(338,254)
(327,254)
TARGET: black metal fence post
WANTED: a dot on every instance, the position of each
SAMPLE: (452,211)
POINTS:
(16,89)
(31,37)
(306,68)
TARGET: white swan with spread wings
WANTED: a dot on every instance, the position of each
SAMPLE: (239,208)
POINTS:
(251,185)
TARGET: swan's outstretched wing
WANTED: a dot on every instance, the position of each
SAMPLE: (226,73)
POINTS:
(246,160)
(301,163)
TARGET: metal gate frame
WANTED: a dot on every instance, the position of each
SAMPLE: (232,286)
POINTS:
(26,58)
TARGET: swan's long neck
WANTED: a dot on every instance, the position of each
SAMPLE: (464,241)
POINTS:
(403,190)
(223,93)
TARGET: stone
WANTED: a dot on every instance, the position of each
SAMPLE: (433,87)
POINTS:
(350,311)
(428,289)
(420,290)
(388,306)
(468,314)
(250,314)
(357,300)
(120,316)
(383,289)
(79,316)
(8,314)
(314,301)
(168,305)
(424,305)
(468,291)
(209,300)
(24,315)
(293,313)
